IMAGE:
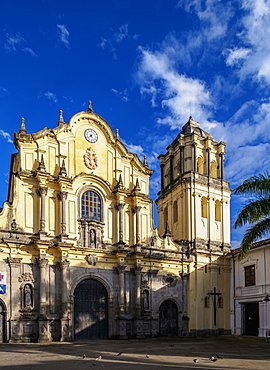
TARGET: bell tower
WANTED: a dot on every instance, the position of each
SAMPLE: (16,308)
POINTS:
(194,201)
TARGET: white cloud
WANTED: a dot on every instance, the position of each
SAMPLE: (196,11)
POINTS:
(4,89)
(50,96)
(63,34)
(121,34)
(178,93)
(247,134)
(214,16)
(12,42)
(17,42)
(6,136)
(254,36)
(235,55)
(117,37)
(123,95)
(29,51)
(137,149)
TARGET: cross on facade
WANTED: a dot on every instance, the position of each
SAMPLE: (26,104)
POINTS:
(215,294)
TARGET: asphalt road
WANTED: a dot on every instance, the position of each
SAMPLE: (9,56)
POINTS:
(158,353)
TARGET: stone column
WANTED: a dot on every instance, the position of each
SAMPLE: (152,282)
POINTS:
(121,296)
(152,305)
(121,319)
(120,208)
(194,157)
(43,263)
(42,192)
(181,159)
(137,210)
(171,168)
(221,156)
(184,319)
(63,197)
(137,271)
(208,150)
(44,327)
(65,332)
(15,299)
(139,321)
(162,176)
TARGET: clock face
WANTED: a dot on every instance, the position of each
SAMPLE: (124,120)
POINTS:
(91,135)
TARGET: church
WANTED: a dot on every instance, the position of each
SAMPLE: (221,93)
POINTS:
(80,257)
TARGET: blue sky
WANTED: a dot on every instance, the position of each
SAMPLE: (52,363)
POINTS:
(146,65)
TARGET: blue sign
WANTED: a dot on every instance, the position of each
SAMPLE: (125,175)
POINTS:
(3,288)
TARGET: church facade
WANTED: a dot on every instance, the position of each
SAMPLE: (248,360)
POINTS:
(79,255)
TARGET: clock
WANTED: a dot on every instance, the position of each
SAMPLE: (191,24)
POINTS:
(91,135)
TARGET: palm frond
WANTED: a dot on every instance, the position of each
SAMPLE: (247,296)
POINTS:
(259,230)
(253,212)
(257,185)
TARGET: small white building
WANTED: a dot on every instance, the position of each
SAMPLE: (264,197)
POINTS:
(250,291)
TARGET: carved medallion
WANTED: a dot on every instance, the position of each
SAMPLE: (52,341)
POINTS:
(90,159)
(92,259)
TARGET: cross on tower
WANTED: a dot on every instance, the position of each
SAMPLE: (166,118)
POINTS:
(215,294)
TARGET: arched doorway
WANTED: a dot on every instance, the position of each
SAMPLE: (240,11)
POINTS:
(168,318)
(90,310)
(2,322)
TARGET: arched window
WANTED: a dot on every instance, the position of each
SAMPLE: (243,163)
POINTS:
(213,169)
(204,206)
(91,206)
(217,211)
(200,165)
(175,211)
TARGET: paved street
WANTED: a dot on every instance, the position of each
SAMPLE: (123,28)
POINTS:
(236,352)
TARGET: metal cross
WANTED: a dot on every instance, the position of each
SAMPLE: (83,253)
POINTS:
(215,294)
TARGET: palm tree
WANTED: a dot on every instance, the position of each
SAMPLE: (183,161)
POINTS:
(256,212)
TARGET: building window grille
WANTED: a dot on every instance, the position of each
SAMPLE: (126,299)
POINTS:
(91,206)
(250,275)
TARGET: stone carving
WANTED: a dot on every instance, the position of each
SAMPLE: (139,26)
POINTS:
(92,238)
(42,262)
(28,299)
(63,264)
(65,329)
(14,262)
(13,224)
(90,159)
(145,300)
(90,106)
(170,281)
(92,259)
(26,277)
(145,280)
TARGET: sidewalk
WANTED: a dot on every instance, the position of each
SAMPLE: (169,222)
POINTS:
(162,353)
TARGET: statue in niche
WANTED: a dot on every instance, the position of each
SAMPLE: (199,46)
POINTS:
(92,238)
(144,280)
(28,302)
(145,300)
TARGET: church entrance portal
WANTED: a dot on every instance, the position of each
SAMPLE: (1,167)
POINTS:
(2,322)
(90,310)
(251,315)
(168,319)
